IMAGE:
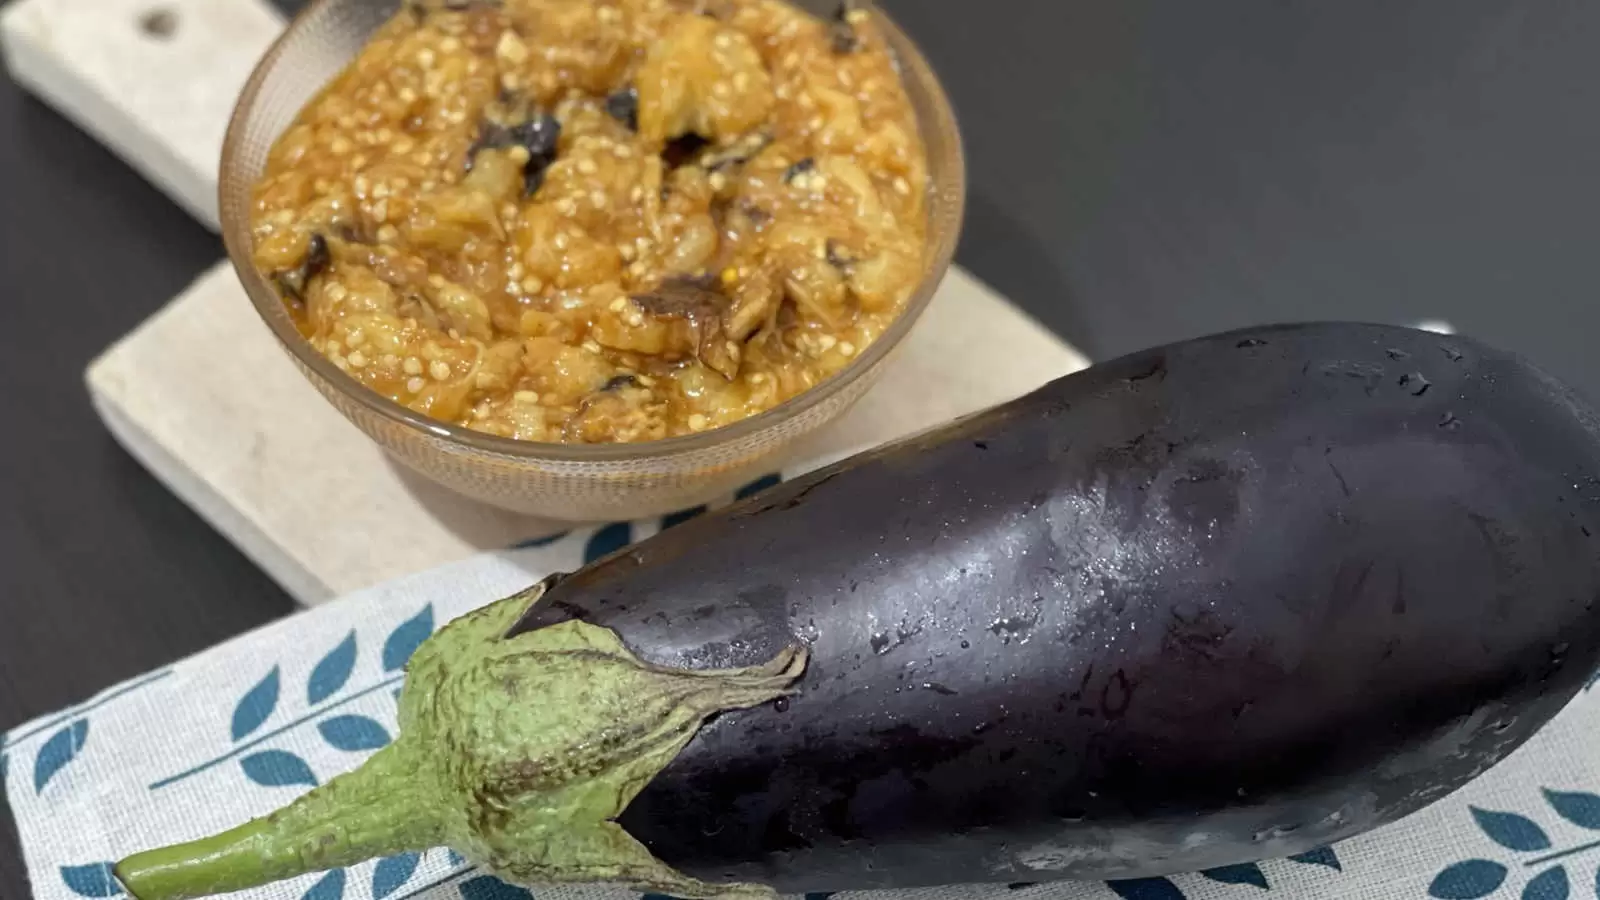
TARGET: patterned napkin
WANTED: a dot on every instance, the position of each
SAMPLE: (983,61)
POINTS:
(244,727)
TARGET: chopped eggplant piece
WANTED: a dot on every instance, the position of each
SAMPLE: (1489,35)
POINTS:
(682,150)
(736,154)
(491,136)
(758,216)
(703,77)
(840,256)
(316,255)
(295,281)
(684,296)
(623,406)
(624,107)
(355,231)
(802,167)
(533,178)
(692,149)
(754,306)
(540,135)
(842,29)
(697,302)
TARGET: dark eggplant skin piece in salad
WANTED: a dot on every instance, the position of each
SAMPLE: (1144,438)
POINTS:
(1229,599)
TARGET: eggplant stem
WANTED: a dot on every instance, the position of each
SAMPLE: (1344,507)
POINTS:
(377,810)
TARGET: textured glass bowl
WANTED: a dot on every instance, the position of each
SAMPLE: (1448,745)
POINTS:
(590,482)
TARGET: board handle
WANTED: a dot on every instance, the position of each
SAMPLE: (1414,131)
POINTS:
(153,80)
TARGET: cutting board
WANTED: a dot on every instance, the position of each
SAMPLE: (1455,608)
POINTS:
(202,395)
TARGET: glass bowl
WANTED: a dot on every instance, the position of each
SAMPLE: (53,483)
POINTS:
(584,482)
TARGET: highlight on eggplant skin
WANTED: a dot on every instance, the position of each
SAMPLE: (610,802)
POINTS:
(1225,600)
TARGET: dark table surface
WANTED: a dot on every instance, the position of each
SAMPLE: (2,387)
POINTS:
(1142,171)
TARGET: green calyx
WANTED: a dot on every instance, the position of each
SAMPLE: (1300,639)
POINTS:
(519,753)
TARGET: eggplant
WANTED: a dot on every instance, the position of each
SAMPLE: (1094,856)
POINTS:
(1215,602)
(1224,600)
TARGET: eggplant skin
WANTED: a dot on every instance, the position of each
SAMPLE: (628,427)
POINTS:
(1220,601)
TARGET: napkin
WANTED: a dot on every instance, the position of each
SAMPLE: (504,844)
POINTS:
(246,726)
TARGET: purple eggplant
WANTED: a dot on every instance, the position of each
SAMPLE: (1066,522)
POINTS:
(1229,599)
(1225,600)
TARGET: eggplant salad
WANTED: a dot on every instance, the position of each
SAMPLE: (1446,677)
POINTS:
(600,222)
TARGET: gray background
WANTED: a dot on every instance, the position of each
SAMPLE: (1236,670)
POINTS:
(1142,171)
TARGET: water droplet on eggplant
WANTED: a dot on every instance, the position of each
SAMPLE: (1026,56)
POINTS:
(1415,383)
(1013,627)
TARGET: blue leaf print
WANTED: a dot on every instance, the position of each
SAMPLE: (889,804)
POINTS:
(61,749)
(332,671)
(406,638)
(353,733)
(330,887)
(545,541)
(392,872)
(93,880)
(609,539)
(1510,830)
(256,705)
(1551,884)
(759,485)
(1582,810)
(1468,880)
(277,768)
(1321,856)
(1146,889)
(488,887)
(1244,873)
(680,517)
(456,859)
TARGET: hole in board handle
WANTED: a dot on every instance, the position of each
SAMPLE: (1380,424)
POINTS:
(159,23)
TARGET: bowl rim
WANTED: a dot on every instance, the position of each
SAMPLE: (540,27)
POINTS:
(236,234)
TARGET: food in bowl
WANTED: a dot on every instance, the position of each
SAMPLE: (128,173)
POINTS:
(596,222)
